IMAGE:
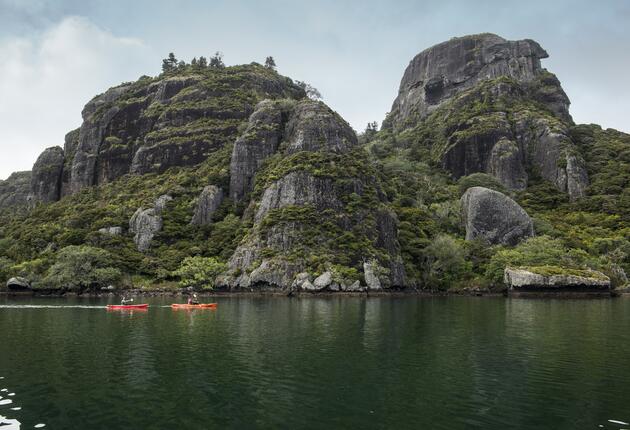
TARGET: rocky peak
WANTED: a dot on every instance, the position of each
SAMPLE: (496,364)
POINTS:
(14,190)
(316,184)
(172,120)
(47,175)
(438,73)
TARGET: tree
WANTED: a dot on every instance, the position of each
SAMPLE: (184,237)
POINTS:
(216,61)
(444,262)
(79,267)
(311,92)
(169,63)
(270,63)
(193,62)
(202,63)
(371,130)
(199,272)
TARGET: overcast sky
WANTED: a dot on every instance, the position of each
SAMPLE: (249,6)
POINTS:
(58,54)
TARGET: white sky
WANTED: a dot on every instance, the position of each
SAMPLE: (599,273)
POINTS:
(59,54)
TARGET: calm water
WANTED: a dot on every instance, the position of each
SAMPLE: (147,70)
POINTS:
(430,363)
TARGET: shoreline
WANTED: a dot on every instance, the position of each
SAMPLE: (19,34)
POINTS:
(319,294)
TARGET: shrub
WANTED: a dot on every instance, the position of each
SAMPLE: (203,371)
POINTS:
(444,262)
(536,251)
(80,267)
(479,180)
(199,272)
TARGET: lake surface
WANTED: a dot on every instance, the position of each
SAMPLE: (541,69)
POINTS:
(321,363)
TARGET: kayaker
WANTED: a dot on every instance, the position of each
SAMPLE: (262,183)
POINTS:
(125,301)
(194,300)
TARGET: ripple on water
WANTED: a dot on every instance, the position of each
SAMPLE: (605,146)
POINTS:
(38,426)
(5,402)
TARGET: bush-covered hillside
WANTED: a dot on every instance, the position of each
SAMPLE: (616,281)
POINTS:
(289,193)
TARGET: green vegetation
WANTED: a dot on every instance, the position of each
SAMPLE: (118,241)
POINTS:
(81,267)
(199,272)
(393,170)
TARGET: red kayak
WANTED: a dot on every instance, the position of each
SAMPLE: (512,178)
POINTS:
(199,306)
(139,306)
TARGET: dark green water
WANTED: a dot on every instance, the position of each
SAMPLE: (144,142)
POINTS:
(395,363)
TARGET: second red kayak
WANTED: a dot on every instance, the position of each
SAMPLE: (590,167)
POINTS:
(139,306)
(199,306)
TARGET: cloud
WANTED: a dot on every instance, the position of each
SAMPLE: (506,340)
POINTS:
(46,80)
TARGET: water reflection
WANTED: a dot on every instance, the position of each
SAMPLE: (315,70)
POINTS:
(320,362)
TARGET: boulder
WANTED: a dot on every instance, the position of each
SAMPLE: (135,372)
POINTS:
(355,287)
(209,201)
(146,222)
(308,286)
(549,278)
(299,280)
(18,284)
(46,176)
(494,217)
(323,280)
(370,270)
(111,231)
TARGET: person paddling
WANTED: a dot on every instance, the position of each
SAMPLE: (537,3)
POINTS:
(125,301)
(193,300)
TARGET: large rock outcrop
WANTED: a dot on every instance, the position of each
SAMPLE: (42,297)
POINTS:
(494,217)
(47,176)
(209,201)
(554,279)
(438,73)
(172,120)
(145,223)
(15,190)
(259,141)
(315,202)
(488,106)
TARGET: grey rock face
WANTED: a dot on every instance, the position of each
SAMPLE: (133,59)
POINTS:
(209,201)
(523,279)
(371,278)
(552,152)
(15,190)
(146,222)
(111,231)
(438,73)
(259,141)
(310,127)
(507,164)
(298,188)
(47,176)
(70,145)
(494,217)
(315,127)
(91,136)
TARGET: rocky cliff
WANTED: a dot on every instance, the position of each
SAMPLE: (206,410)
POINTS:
(477,167)
(154,124)
(14,190)
(315,205)
(484,104)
